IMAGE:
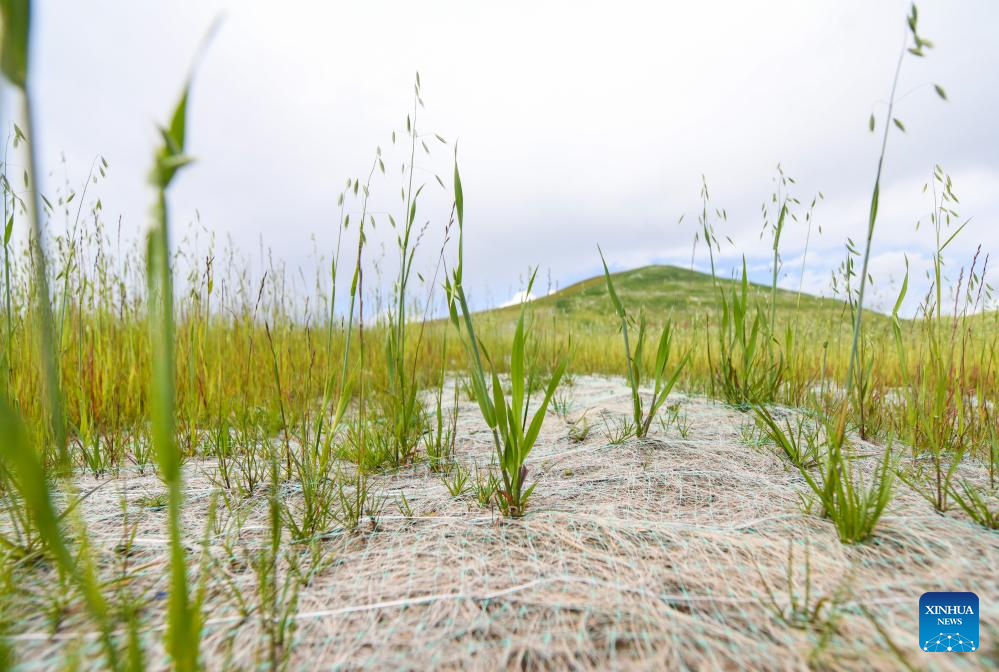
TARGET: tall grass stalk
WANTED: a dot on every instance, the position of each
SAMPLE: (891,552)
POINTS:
(917,49)
(664,383)
(746,373)
(405,411)
(26,469)
(23,465)
(14,61)
(10,202)
(514,432)
(184,614)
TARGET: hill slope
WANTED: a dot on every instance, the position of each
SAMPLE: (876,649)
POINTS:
(670,290)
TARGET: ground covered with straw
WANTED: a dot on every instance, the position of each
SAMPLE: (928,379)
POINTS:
(673,551)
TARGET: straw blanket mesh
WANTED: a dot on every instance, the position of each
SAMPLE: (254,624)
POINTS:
(655,554)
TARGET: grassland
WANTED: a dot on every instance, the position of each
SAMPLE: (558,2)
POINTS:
(650,468)
(674,292)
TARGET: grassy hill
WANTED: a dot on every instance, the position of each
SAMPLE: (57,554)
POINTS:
(672,291)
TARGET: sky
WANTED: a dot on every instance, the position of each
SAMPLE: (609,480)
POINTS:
(576,124)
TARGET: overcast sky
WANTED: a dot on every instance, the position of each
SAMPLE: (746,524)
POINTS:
(578,123)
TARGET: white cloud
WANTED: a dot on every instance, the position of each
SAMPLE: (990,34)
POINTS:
(518,298)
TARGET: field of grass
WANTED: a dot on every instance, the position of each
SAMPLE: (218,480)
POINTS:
(654,468)
(672,291)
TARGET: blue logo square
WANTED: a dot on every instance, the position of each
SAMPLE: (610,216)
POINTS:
(948,622)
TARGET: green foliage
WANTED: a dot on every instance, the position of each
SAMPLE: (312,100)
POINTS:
(440,440)
(184,619)
(15,16)
(514,433)
(747,372)
(980,503)
(456,480)
(853,506)
(618,430)
(579,431)
(661,290)
(663,383)
(277,596)
(917,49)
(802,608)
(486,487)
(799,443)
(15,19)
(937,415)
(22,467)
(403,408)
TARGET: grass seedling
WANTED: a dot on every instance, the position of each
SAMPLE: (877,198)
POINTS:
(456,480)
(981,504)
(800,609)
(15,21)
(97,456)
(579,431)
(750,435)
(440,439)
(315,474)
(747,373)
(184,618)
(671,416)
(853,506)
(562,404)
(404,507)
(486,487)
(277,598)
(663,383)
(356,500)
(675,418)
(683,425)
(514,433)
(799,443)
(618,430)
